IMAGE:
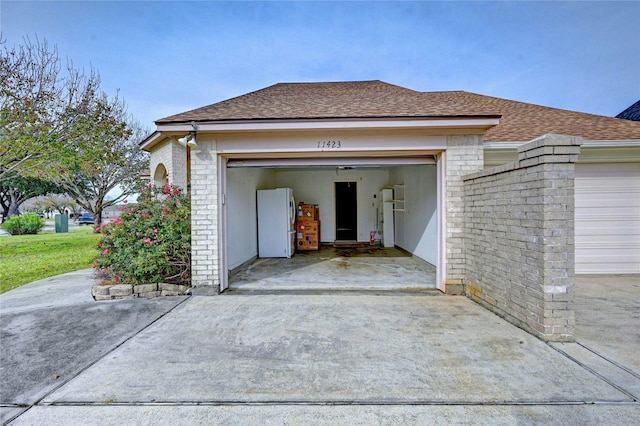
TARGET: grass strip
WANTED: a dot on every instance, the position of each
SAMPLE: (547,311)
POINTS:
(27,258)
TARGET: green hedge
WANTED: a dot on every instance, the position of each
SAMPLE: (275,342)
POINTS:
(28,223)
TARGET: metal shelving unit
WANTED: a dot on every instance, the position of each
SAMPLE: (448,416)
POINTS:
(398,198)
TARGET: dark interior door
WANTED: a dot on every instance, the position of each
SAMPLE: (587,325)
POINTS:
(346,211)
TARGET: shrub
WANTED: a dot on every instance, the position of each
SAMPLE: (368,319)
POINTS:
(28,223)
(151,241)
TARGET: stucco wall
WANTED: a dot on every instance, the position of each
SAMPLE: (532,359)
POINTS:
(242,183)
(416,226)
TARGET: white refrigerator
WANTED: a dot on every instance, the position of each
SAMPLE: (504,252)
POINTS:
(276,222)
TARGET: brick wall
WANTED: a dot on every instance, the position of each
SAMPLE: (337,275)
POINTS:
(204,218)
(519,237)
(173,157)
(464,155)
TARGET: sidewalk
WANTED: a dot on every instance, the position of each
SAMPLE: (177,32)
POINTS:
(315,358)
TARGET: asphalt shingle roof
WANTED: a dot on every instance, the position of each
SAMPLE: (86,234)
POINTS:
(376,99)
(523,121)
(631,113)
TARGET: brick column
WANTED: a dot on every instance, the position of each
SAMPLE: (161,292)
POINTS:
(555,156)
(204,218)
(465,154)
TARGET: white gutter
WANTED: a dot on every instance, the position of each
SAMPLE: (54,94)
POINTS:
(633,143)
(279,125)
(152,139)
(592,151)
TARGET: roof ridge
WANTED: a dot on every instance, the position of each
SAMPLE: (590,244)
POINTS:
(345,82)
(445,91)
(327,82)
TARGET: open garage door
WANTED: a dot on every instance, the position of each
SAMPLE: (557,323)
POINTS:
(351,162)
(313,180)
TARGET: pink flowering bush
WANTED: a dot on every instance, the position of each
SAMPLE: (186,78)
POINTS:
(151,241)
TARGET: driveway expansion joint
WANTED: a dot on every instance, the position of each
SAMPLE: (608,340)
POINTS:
(620,366)
(333,402)
(595,373)
(39,402)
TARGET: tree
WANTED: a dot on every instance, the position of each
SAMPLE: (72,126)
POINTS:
(57,203)
(64,127)
(105,158)
(39,107)
(16,189)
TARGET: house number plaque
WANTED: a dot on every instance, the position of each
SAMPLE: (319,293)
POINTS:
(332,144)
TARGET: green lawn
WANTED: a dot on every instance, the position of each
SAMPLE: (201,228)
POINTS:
(27,258)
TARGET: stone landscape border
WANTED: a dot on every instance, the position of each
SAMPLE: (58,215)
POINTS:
(128,291)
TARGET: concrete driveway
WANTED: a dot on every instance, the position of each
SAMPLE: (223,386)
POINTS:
(301,358)
(51,330)
(608,317)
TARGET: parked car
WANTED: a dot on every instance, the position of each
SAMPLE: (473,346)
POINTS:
(86,219)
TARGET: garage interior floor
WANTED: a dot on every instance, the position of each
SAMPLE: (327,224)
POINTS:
(332,268)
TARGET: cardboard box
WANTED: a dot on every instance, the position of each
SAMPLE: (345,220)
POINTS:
(309,239)
(308,211)
(308,245)
(308,235)
(308,226)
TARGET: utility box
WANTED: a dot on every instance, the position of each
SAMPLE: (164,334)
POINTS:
(62,223)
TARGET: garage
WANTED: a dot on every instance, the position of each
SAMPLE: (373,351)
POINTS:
(314,138)
(409,222)
(389,188)
(353,143)
(607,219)
(288,132)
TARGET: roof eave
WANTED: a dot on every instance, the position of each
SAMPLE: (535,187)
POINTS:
(151,140)
(483,122)
(592,151)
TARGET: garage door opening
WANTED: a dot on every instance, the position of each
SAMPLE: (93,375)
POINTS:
(350,201)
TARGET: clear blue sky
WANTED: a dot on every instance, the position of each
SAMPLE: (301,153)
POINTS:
(168,57)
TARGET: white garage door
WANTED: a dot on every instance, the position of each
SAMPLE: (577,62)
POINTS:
(607,218)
